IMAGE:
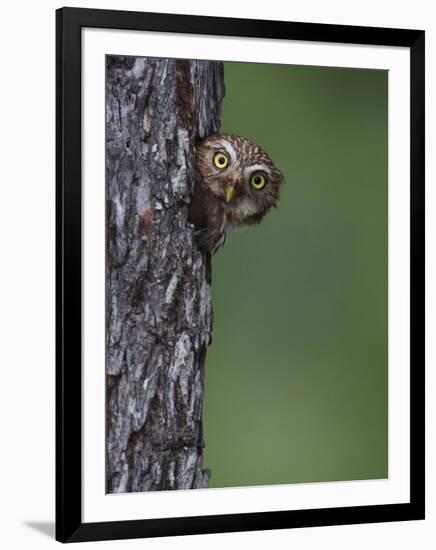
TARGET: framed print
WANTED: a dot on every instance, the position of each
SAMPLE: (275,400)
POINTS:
(240,275)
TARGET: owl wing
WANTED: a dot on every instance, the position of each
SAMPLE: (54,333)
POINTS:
(209,233)
(207,241)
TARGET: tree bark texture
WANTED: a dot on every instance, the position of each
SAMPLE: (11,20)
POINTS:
(158,299)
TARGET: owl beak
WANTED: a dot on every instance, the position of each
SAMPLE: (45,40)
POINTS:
(230,189)
(230,193)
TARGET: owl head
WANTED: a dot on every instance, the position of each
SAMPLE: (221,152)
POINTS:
(240,175)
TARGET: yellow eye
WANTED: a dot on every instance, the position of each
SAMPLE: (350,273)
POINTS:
(221,160)
(258,181)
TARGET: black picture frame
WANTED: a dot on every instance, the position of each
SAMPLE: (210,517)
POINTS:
(69,525)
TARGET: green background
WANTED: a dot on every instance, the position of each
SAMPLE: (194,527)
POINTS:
(296,376)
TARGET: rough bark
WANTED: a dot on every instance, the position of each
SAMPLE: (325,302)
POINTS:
(158,299)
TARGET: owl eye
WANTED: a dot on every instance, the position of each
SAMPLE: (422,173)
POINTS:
(221,160)
(258,181)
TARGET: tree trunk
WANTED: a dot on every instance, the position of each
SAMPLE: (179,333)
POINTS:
(158,299)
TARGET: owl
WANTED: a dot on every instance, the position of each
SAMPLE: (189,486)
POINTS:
(236,183)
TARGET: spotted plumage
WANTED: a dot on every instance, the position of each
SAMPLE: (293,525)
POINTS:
(236,183)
